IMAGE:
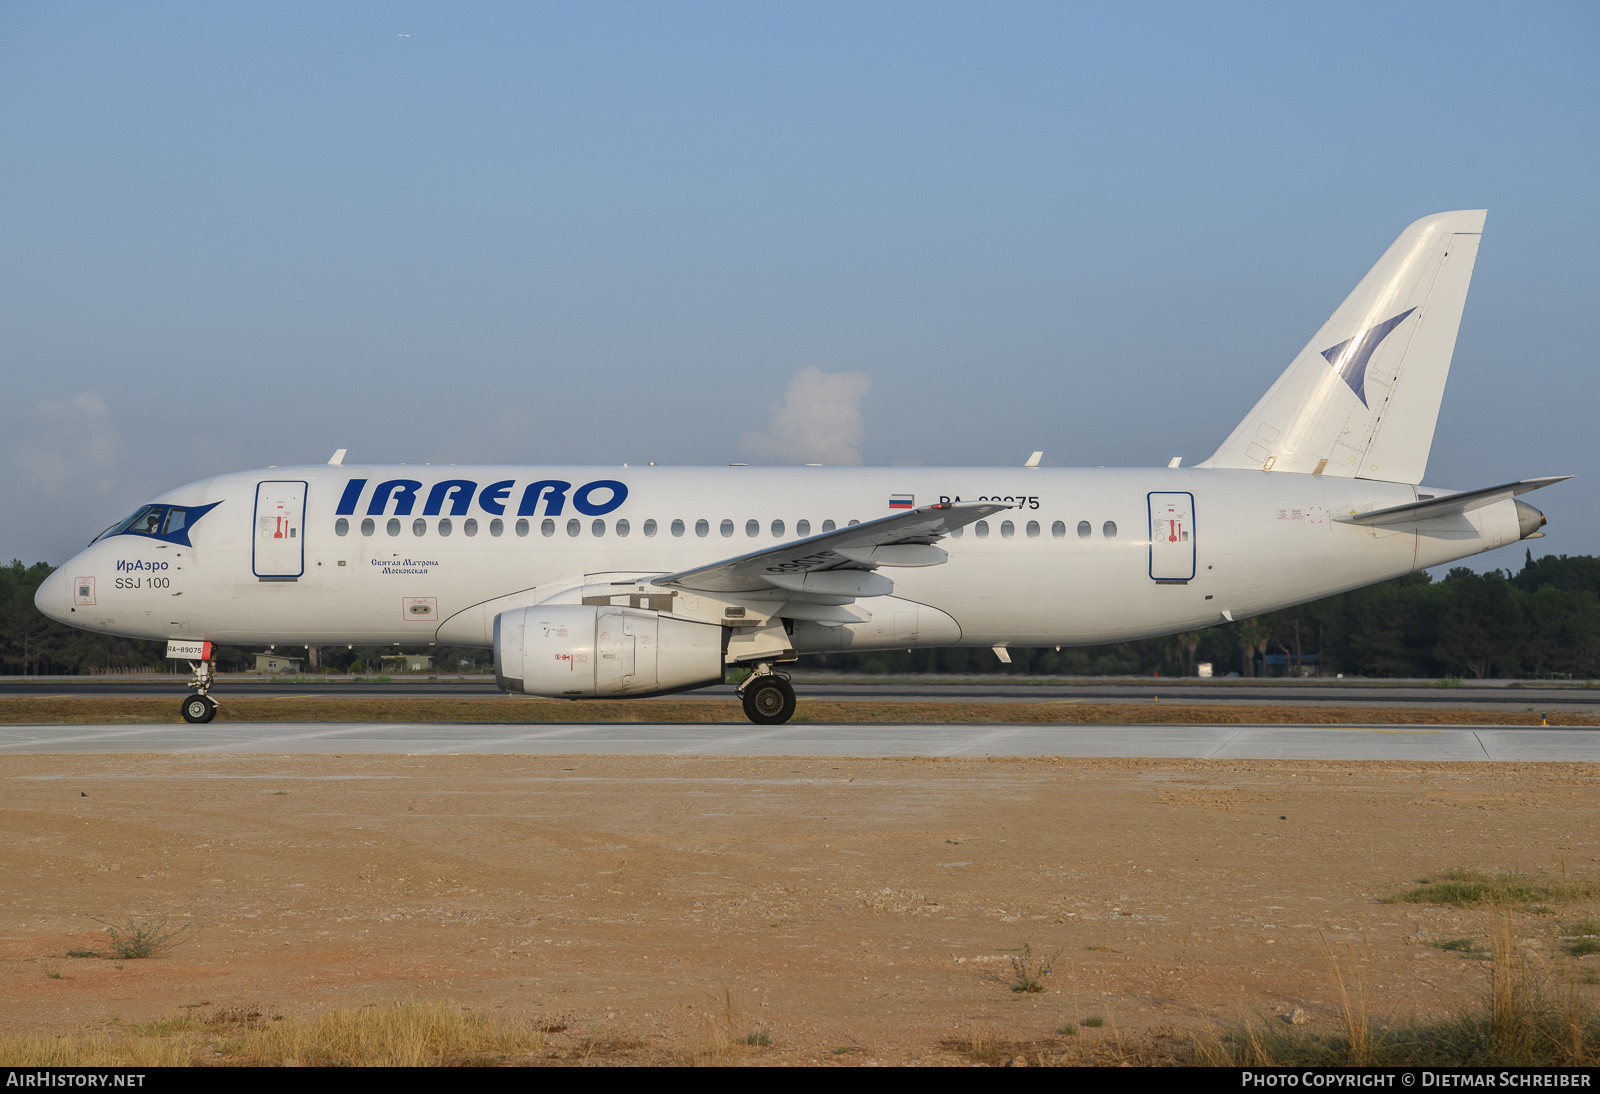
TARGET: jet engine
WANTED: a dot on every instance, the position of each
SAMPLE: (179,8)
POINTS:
(574,651)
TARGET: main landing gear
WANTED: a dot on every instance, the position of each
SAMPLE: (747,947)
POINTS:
(199,708)
(768,698)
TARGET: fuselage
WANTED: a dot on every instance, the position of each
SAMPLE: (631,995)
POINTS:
(429,554)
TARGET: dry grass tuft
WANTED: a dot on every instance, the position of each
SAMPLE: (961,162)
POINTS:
(1466,887)
(411,1034)
(119,1050)
(979,1045)
(134,939)
(1028,972)
(1065,1049)
(1523,1021)
(723,1033)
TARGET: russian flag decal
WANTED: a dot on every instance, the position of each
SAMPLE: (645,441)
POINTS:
(901,501)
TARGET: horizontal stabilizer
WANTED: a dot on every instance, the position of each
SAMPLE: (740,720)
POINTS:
(1449,504)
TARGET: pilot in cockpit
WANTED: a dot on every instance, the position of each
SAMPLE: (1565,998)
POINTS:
(149,524)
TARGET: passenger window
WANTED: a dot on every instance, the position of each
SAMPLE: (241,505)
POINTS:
(649,528)
(828,526)
(1033,529)
(702,528)
(677,528)
(981,529)
(598,528)
(1007,529)
(1059,529)
(470,528)
(777,529)
(752,528)
(852,524)
(726,529)
(802,528)
(957,533)
(367,527)
(1110,529)
(622,528)
(445,526)
(1084,531)
(175,519)
(547,528)
(496,526)
(341,527)
(394,526)
(419,527)
(522,528)
(574,527)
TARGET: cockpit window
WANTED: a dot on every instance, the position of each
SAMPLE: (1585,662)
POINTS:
(148,523)
(127,525)
(168,522)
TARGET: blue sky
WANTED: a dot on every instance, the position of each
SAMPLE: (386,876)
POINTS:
(244,235)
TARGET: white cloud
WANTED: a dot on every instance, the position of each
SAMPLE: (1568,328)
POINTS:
(70,473)
(819,421)
(71,446)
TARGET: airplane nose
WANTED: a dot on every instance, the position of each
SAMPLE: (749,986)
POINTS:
(53,597)
(1530,520)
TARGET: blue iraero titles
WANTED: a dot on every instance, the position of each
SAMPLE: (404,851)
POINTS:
(457,496)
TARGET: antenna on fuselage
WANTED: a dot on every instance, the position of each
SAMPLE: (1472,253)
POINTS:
(1033,460)
(338,457)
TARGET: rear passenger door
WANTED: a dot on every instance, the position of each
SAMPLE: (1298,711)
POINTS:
(1171,536)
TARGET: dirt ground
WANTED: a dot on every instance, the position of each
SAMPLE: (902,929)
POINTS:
(852,911)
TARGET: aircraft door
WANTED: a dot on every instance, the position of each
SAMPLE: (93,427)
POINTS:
(1172,536)
(278,545)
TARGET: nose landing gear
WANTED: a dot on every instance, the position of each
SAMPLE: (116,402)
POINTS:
(199,708)
(768,698)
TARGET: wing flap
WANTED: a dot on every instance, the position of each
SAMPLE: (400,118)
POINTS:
(755,572)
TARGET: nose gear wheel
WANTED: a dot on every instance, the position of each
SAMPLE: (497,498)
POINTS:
(199,709)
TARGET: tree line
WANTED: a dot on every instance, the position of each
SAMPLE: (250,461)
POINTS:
(1541,622)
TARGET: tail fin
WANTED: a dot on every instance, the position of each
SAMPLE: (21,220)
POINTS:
(1361,400)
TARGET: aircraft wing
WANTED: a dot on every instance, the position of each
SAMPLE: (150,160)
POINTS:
(1444,506)
(900,539)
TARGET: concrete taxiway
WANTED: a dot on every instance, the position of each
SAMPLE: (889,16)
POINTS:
(1497,694)
(1265,742)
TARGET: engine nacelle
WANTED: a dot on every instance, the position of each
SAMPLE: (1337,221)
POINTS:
(573,651)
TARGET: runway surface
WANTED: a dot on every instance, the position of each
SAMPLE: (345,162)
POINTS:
(1578,699)
(1534,744)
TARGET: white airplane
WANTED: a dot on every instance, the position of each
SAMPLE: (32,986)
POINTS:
(604,581)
